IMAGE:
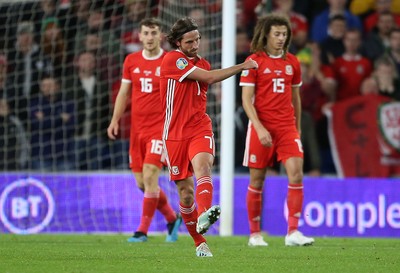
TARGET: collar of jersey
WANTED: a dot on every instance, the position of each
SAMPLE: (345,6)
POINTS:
(154,57)
(274,56)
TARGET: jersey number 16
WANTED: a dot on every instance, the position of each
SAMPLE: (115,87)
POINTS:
(147,85)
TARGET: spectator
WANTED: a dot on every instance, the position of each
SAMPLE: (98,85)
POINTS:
(13,140)
(52,128)
(106,65)
(298,22)
(351,68)
(384,80)
(52,45)
(319,29)
(311,95)
(91,97)
(380,6)
(377,41)
(135,11)
(24,69)
(332,46)
(393,52)
(363,7)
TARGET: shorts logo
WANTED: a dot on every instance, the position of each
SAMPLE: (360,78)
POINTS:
(175,170)
(245,73)
(253,158)
(181,63)
(289,70)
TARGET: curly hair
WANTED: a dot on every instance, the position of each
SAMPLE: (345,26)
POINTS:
(263,28)
(182,26)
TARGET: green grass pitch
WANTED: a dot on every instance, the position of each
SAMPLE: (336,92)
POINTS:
(111,253)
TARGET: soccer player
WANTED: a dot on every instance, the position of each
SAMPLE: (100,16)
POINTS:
(140,81)
(188,135)
(271,100)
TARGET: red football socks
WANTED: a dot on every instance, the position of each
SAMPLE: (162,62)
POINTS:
(294,204)
(254,203)
(150,201)
(165,208)
(189,216)
(204,193)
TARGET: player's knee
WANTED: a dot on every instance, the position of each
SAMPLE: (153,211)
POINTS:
(296,177)
(203,170)
(186,196)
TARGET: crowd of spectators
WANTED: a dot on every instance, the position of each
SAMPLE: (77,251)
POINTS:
(60,69)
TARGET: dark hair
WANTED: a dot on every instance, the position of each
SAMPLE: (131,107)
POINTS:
(337,17)
(182,26)
(263,28)
(150,22)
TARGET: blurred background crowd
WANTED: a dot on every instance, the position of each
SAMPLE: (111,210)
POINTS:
(60,69)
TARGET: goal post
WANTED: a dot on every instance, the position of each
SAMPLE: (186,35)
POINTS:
(227,120)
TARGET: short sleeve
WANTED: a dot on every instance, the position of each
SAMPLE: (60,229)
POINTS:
(248,77)
(126,76)
(176,66)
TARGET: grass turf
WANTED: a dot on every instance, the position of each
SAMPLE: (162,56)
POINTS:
(111,253)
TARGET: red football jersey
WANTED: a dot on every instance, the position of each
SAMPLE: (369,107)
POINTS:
(183,100)
(273,81)
(350,73)
(144,75)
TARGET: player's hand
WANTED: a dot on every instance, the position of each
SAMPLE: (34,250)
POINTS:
(250,64)
(112,130)
(265,137)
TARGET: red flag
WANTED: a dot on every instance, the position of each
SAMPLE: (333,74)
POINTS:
(364,133)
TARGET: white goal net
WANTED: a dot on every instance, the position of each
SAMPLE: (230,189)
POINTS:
(60,70)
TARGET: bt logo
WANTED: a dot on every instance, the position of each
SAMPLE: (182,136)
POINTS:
(26,206)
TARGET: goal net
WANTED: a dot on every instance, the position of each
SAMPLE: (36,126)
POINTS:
(60,71)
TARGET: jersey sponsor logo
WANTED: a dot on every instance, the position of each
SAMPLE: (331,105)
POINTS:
(245,73)
(289,70)
(136,70)
(175,170)
(253,158)
(158,71)
(267,71)
(147,72)
(181,63)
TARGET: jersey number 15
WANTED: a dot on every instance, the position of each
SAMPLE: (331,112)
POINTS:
(279,85)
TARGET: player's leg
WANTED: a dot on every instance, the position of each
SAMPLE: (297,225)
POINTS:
(153,162)
(189,214)
(181,172)
(201,152)
(139,236)
(146,168)
(254,205)
(257,157)
(290,152)
(294,169)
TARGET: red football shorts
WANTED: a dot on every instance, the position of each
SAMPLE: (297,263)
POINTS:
(179,154)
(286,143)
(145,149)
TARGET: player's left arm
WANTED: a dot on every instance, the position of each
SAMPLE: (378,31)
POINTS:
(296,102)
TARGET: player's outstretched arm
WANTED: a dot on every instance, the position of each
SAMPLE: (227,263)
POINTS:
(119,109)
(218,75)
